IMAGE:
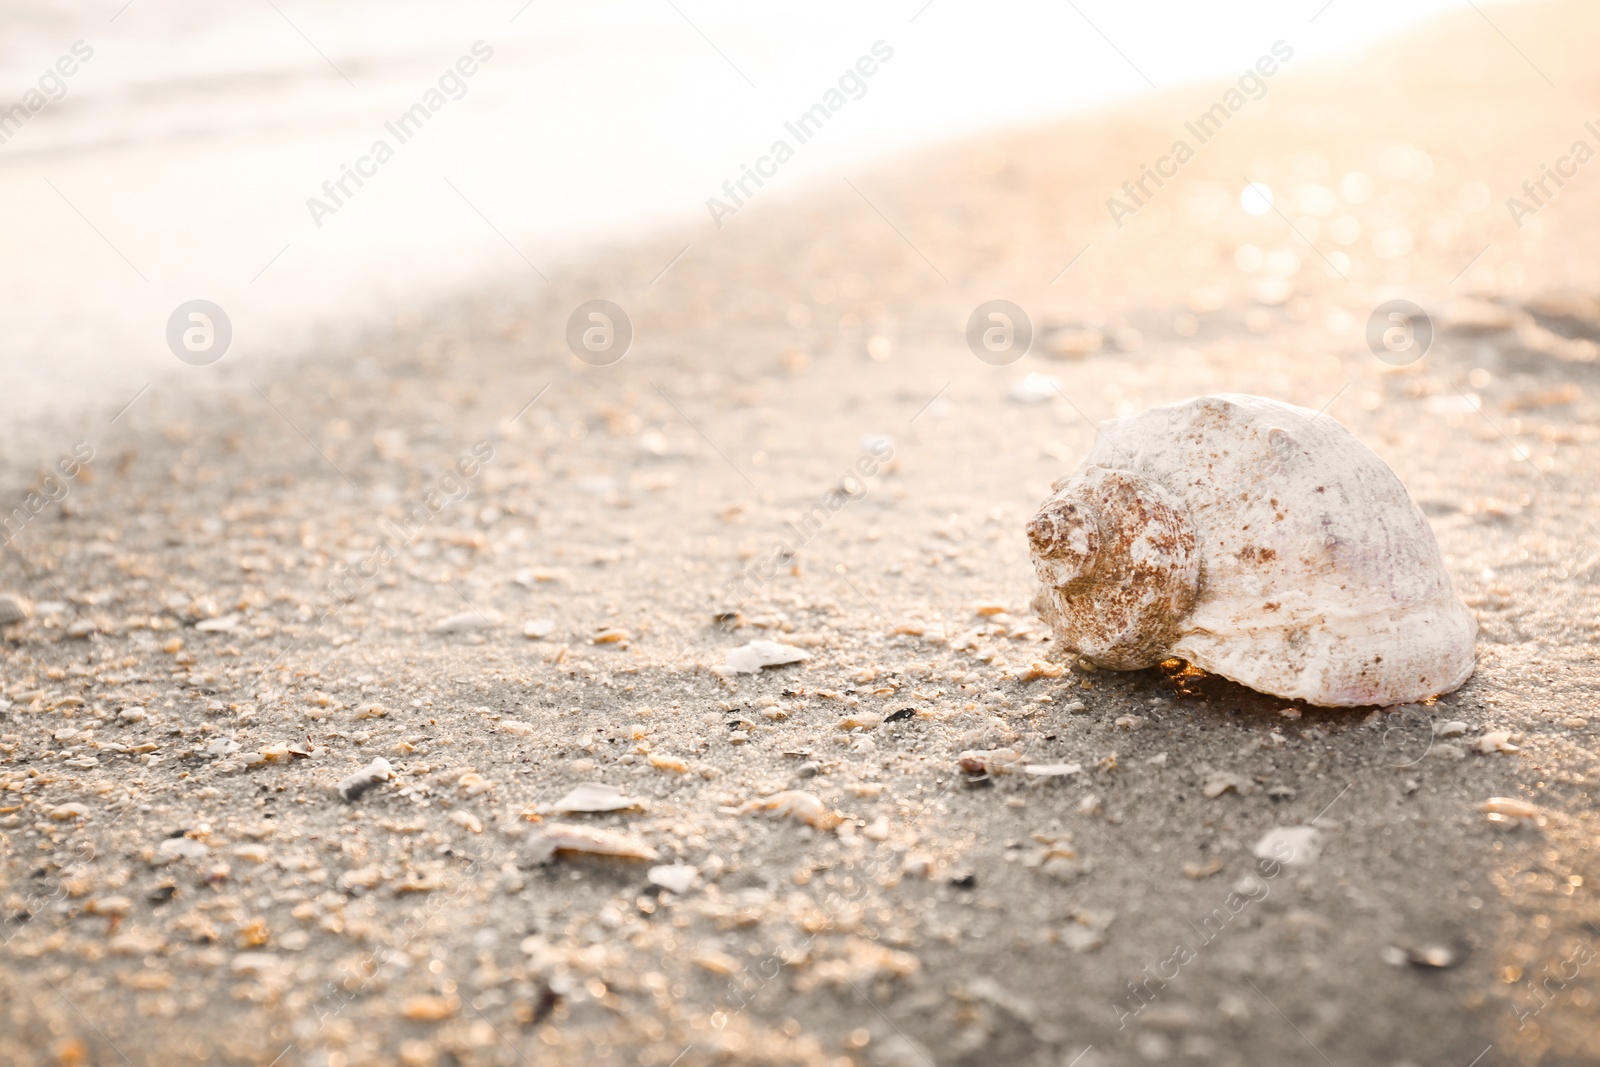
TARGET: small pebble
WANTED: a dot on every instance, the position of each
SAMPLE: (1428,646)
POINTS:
(14,608)
(428,1009)
(108,906)
(176,848)
(1431,956)
(253,963)
(1082,938)
(1219,782)
(360,878)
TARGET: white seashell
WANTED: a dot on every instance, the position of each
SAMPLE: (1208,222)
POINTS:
(1258,541)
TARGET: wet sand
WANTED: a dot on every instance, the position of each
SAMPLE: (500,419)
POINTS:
(934,915)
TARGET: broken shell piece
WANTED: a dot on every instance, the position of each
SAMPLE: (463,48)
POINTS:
(676,877)
(559,838)
(1494,741)
(1044,669)
(802,807)
(989,761)
(1509,813)
(1518,809)
(1292,846)
(467,821)
(364,779)
(748,659)
(590,797)
(1258,541)
(1052,770)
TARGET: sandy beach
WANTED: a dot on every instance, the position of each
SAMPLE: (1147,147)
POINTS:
(509,572)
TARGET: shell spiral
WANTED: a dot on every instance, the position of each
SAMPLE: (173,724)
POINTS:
(1259,541)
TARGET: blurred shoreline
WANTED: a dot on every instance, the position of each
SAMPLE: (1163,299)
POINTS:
(177,164)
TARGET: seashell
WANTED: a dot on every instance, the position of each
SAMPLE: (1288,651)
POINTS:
(1258,541)
(558,838)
